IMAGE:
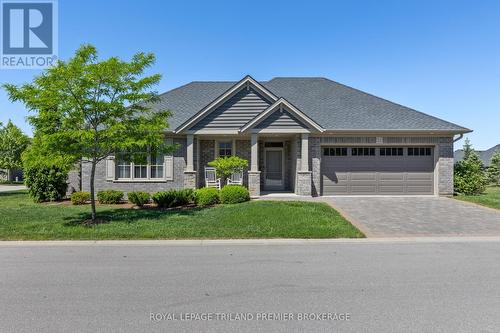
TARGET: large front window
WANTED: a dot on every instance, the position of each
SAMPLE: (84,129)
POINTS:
(142,165)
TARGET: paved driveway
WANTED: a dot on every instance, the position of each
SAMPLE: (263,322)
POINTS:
(417,216)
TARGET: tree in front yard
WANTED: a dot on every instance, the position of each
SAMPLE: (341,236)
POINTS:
(467,149)
(90,108)
(494,169)
(226,166)
(469,177)
(12,144)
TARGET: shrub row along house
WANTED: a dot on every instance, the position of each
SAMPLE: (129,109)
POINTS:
(310,136)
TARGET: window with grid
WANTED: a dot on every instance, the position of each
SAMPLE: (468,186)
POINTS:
(419,151)
(140,165)
(391,151)
(363,151)
(156,166)
(225,148)
(335,151)
(123,166)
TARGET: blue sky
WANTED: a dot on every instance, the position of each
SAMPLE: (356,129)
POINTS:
(439,57)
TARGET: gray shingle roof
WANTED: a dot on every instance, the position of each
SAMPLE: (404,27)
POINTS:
(484,155)
(332,105)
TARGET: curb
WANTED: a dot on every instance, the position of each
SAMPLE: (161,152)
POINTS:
(275,241)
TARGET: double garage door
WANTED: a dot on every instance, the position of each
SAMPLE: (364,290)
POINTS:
(377,170)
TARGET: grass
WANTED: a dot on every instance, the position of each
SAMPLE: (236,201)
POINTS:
(490,198)
(21,219)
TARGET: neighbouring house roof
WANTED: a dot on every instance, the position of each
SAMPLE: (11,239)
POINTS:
(484,155)
(331,105)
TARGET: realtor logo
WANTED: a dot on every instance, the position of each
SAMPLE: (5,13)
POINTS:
(29,34)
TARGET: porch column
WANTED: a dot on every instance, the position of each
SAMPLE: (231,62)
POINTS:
(305,152)
(189,173)
(189,154)
(304,175)
(254,173)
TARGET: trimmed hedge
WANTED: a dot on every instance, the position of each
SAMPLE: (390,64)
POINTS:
(109,196)
(80,198)
(231,194)
(139,198)
(174,198)
(207,196)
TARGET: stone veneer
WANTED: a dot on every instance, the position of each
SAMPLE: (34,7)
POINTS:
(307,183)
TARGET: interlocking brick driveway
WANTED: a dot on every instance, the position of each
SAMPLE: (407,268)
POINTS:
(417,216)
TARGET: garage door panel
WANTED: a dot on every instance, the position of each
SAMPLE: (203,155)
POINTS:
(377,174)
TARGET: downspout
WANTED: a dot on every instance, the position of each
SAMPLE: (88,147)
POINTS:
(460,136)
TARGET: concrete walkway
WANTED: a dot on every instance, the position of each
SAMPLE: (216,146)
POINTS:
(8,188)
(417,216)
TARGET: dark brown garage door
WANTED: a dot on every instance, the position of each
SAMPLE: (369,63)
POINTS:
(377,170)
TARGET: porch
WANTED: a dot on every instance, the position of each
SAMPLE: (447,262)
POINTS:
(277,163)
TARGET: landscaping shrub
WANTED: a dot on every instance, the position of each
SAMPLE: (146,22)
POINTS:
(207,196)
(109,196)
(139,198)
(80,198)
(469,177)
(45,182)
(173,198)
(232,194)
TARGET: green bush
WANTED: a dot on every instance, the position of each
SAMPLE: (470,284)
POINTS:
(232,194)
(80,198)
(45,182)
(174,198)
(469,177)
(139,198)
(207,196)
(109,196)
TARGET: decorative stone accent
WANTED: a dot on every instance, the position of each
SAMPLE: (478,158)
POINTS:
(315,162)
(304,183)
(190,179)
(254,183)
(445,166)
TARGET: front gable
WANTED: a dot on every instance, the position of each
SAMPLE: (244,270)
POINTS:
(235,111)
(279,120)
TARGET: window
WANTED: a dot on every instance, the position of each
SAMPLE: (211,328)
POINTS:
(335,151)
(419,151)
(142,165)
(225,148)
(157,161)
(273,144)
(363,151)
(391,151)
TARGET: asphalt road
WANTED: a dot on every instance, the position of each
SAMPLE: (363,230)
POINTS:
(382,287)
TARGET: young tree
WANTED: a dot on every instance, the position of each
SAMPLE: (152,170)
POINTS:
(494,169)
(87,108)
(12,144)
(467,149)
(469,176)
(226,166)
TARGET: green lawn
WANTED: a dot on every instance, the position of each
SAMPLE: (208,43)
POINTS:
(21,219)
(490,198)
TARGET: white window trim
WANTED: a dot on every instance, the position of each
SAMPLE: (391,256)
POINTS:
(132,172)
(233,146)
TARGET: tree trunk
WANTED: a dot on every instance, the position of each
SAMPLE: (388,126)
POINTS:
(92,190)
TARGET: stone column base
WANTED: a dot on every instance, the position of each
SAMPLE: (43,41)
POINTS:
(303,183)
(190,179)
(254,183)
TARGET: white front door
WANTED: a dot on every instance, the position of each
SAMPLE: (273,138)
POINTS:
(274,170)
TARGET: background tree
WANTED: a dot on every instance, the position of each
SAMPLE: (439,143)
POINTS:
(12,144)
(467,148)
(89,108)
(494,169)
(469,175)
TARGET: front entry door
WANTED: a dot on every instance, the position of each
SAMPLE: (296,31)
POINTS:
(274,173)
